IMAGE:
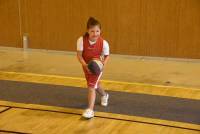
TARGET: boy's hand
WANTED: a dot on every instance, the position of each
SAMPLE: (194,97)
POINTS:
(86,68)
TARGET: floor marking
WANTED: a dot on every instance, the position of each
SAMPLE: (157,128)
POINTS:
(171,91)
(128,120)
(8,108)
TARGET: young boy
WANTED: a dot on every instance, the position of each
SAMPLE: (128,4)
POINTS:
(91,46)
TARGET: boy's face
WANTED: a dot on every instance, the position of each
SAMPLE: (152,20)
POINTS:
(94,33)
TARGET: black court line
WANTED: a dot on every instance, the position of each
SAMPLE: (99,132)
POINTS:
(13,132)
(8,108)
(132,104)
(112,118)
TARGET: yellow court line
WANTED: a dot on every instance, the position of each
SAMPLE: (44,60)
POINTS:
(172,91)
(106,81)
(112,116)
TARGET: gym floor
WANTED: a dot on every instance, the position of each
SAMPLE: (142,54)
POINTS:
(160,77)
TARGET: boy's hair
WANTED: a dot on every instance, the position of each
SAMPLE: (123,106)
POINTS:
(93,22)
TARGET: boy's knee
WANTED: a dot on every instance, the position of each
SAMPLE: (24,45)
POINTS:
(91,89)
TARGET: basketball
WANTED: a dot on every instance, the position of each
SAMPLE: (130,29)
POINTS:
(95,66)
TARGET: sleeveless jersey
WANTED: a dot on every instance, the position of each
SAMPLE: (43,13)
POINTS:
(92,51)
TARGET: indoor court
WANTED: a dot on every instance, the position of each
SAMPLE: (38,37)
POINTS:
(152,76)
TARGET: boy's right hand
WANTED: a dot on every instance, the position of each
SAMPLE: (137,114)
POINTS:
(86,68)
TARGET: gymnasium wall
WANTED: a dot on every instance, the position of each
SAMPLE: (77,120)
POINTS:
(9,23)
(163,28)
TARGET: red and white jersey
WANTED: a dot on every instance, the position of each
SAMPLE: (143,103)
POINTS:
(92,49)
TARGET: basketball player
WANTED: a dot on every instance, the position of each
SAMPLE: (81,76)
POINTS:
(90,46)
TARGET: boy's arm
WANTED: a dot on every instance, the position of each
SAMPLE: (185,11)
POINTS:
(82,61)
(106,58)
(80,58)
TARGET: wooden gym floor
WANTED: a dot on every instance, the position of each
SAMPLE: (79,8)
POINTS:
(154,76)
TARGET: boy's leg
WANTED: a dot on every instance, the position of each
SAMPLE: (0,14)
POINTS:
(89,112)
(104,96)
(91,98)
(92,82)
(101,91)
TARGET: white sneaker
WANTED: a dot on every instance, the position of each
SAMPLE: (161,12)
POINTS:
(88,113)
(104,100)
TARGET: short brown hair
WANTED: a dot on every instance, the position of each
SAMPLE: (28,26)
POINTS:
(93,22)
